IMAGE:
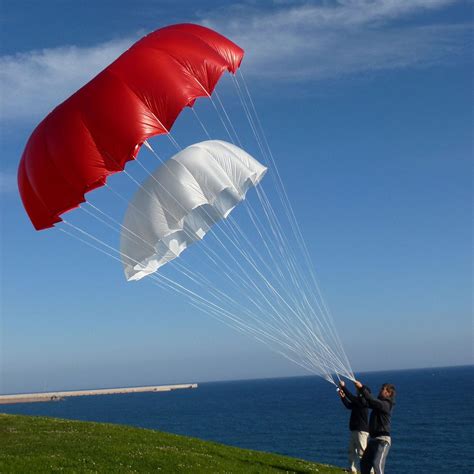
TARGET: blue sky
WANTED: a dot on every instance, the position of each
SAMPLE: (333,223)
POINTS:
(367,107)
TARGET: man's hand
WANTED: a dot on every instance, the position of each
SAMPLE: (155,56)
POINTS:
(341,393)
(357,384)
(342,383)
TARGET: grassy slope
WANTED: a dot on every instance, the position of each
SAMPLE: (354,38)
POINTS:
(34,444)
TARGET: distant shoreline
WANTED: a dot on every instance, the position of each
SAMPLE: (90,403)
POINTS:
(60,395)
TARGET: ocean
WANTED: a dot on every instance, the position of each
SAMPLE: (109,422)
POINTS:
(301,416)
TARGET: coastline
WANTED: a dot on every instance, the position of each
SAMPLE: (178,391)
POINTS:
(60,395)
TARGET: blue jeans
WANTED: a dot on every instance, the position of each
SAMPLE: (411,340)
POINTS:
(374,456)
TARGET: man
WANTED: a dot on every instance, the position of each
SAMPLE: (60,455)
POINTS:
(358,424)
(375,455)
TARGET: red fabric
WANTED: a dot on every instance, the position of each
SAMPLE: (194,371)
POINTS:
(102,126)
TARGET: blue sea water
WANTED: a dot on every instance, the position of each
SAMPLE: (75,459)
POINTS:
(302,416)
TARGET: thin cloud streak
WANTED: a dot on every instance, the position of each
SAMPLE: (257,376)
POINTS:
(33,83)
(310,42)
(299,42)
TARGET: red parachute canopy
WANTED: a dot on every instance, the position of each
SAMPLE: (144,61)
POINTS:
(102,126)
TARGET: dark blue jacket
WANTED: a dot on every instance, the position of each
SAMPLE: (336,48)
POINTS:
(380,417)
(359,420)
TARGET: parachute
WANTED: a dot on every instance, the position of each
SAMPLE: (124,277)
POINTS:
(180,202)
(103,125)
(253,272)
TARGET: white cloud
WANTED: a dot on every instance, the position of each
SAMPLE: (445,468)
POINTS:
(314,41)
(33,83)
(291,42)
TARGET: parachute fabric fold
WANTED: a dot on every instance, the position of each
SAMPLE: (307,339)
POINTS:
(181,200)
(102,126)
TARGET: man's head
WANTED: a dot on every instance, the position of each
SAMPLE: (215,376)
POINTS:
(387,390)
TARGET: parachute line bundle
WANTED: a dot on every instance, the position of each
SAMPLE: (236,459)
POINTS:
(183,199)
(206,224)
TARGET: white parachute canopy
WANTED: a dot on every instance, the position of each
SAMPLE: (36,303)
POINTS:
(181,200)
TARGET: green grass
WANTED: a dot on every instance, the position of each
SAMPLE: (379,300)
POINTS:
(38,445)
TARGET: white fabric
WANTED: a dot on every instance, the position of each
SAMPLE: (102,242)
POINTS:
(180,202)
